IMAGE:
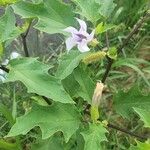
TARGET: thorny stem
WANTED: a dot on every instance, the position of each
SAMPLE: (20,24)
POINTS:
(126,131)
(135,30)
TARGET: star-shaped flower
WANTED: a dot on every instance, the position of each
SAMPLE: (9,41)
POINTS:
(80,38)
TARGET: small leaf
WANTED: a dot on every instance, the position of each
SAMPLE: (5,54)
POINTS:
(93,136)
(101,27)
(50,119)
(68,63)
(144,116)
(112,53)
(125,101)
(7,2)
(35,77)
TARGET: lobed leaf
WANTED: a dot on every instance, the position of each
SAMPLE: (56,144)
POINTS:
(50,18)
(50,119)
(34,75)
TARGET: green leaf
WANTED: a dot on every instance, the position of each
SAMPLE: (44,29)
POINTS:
(144,116)
(112,53)
(87,86)
(106,7)
(5,111)
(7,2)
(140,146)
(53,16)
(68,63)
(88,9)
(8,30)
(93,136)
(53,143)
(50,119)
(71,85)
(4,145)
(101,27)
(35,77)
(125,101)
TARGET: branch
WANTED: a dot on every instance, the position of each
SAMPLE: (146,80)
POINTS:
(126,131)
(135,30)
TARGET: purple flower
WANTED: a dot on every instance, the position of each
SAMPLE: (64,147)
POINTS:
(80,38)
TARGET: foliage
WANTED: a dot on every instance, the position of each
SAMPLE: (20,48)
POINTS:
(49,96)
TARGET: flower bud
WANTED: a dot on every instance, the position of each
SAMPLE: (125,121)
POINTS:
(96,101)
(97,94)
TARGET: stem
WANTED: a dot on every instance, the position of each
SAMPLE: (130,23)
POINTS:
(110,62)
(24,40)
(4,68)
(107,40)
(126,131)
(126,41)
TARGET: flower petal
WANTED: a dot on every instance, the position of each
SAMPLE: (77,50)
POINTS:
(70,43)
(71,30)
(83,46)
(83,26)
(91,36)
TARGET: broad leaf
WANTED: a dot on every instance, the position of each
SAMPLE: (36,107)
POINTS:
(93,136)
(87,86)
(53,16)
(106,7)
(144,115)
(35,77)
(125,101)
(8,30)
(68,63)
(50,119)
(88,9)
